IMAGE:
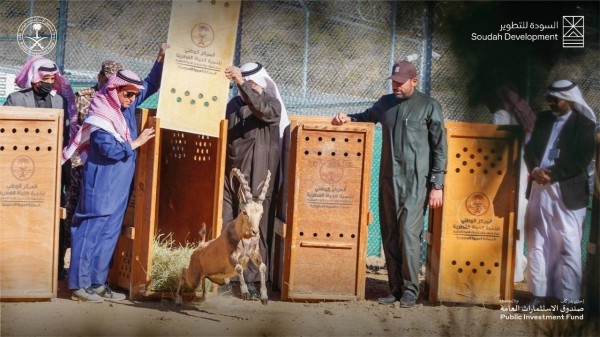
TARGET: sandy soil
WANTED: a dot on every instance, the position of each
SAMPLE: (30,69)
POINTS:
(231,316)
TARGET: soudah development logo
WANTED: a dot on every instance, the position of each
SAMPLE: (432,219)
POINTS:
(572,32)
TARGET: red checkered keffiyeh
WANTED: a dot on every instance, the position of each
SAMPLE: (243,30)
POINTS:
(104,113)
(34,70)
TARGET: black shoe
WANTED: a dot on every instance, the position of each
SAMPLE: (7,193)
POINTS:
(388,300)
(254,294)
(536,303)
(408,300)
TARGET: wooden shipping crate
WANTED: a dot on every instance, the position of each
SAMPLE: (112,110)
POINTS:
(470,252)
(178,186)
(327,210)
(30,152)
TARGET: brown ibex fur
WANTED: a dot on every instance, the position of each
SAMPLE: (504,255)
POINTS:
(228,255)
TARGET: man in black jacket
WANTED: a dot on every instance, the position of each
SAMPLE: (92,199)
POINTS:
(557,157)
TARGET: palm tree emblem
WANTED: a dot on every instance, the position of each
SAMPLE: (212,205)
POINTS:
(23,168)
(202,35)
(37,39)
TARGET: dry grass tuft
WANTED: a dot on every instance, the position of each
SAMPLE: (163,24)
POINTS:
(167,262)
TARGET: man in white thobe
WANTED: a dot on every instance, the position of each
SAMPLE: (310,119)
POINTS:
(557,157)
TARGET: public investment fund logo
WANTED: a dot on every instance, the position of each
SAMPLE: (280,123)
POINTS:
(202,35)
(573,32)
(36,36)
(22,168)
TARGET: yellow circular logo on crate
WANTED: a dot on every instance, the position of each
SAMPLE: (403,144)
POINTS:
(202,35)
(477,203)
(22,168)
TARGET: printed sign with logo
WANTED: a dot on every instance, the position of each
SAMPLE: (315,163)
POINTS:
(194,89)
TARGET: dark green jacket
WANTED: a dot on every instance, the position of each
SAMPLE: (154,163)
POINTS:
(414,147)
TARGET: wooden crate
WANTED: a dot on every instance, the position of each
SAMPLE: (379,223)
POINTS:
(470,252)
(178,186)
(327,210)
(30,152)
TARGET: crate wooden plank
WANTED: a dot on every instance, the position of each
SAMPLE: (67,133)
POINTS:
(328,198)
(219,182)
(471,255)
(30,150)
(194,88)
(145,212)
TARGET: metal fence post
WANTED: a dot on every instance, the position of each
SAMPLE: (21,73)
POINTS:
(305,58)
(392,43)
(425,66)
(62,35)
(237,54)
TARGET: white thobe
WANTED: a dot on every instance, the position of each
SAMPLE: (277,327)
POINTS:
(554,235)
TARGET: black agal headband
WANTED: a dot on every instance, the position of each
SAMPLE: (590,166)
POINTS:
(130,80)
(49,69)
(253,71)
(569,87)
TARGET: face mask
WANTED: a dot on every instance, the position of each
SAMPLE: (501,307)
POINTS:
(45,88)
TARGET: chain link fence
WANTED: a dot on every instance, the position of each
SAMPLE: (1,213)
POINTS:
(325,56)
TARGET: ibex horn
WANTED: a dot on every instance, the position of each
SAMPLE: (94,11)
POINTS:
(244,191)
(265,184)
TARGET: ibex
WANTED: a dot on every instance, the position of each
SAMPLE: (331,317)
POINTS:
(228,255)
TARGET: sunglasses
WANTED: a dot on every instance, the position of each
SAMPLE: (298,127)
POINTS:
(130,94)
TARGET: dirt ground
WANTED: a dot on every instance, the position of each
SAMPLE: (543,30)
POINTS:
(231,316)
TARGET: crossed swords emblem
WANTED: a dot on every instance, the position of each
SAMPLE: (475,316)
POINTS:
(36,41)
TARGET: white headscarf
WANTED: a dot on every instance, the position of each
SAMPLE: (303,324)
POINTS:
(568,91)
(258,74)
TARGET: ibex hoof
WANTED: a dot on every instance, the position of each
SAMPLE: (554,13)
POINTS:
(246,296)
(265,301)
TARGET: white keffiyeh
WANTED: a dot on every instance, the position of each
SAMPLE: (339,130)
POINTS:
(257,73)
(568,91)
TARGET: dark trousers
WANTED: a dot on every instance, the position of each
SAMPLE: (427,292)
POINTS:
(401,230)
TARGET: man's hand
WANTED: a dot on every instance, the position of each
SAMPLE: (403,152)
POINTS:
(161,53)
(234,73)
(145,136)
(435,198)
(541,176)
(340,118)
